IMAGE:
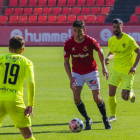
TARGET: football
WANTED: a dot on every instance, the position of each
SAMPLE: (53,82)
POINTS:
(76,125)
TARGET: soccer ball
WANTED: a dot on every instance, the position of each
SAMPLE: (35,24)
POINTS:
(76,125)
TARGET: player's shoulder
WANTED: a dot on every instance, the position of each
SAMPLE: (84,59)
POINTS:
(89,38)
(128,37)
(112,38)
(69,39)
(27,61)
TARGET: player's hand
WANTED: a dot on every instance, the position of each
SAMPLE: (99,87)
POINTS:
(105,73)
(28,111)
(72,81)
(132,70)
(106,61)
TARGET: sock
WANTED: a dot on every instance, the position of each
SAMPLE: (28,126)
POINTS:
(82,110)
(131,93)
(31,138)
(102,109)
(112,105)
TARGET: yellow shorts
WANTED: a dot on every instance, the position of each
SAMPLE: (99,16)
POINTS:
(16,112)
(116,78)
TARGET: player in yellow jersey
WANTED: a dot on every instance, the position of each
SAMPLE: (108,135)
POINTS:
(123,48)
(14,68)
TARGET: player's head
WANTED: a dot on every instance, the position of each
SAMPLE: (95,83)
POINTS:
(117,26)
(16,44)
(78,28)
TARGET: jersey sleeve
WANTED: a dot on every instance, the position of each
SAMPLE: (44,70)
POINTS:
(134,45)
(66,50)
(95,45)
(109,45)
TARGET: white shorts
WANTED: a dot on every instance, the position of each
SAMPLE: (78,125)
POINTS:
(92,79)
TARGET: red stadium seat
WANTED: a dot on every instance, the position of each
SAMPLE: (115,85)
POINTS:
(76,11)
(32,3)
(42,3)
(80,3)
(18,11)
(85,11)
(37,11)
(9,11)
(95,10)
(22,19)
(51,3)
(61,19)
(27,11)
(81,18)
(13,19)
(137,10)
(56,11)
(51,19)
(61,3)
(3,19)
(13,3)
(109,3)
(90,3)
(23,3)
(47,11)
(71,18)
(32,19)
(134,18)
(42,19)
(105,10)
(90,19)
(66,11)
(100,2)
(100,19)
(71,2)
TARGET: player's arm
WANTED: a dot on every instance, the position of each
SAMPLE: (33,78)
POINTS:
(109,57)
(102,60)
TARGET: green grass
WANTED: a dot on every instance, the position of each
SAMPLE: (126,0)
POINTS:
(54,105)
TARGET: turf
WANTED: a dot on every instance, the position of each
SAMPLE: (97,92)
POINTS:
(54,106)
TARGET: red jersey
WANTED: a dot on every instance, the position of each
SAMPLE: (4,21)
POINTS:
(82,54)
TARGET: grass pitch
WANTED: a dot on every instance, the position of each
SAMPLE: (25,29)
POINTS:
(54,105)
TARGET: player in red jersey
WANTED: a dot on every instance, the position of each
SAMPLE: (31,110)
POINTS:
(84,69)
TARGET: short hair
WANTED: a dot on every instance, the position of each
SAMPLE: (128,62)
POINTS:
(16,42)
(79,23)
(118,21)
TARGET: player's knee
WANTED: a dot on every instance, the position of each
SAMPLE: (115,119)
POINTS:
(77,100)
(125,94)
(97,100)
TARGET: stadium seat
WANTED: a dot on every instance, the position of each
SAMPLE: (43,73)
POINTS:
(71,2)
(105,10)
(81,18)
(61,19)
(37,11)
(22,3)
(90,19)
(13,19)
(13,3)
(51,3)
(42,19)
(66,11)
(90,3)
(42,3)
(61,3)
(71,18)
(137,10)
(22,19)
(80,3)
(47,11)
(56,11)
(76,11)
(18,11)
(95,10)
(3,19)
(32,3)
(100,19)
(100,2)
(134,18)
(27,11)
(9,11)
(85,11)
(109,3)
(32,19)
(51,19)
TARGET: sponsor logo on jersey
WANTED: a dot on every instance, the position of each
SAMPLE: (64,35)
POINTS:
(124,45)
(85,48)
(81,55)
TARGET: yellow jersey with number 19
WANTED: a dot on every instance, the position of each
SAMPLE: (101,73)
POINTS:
(123,50)
(14,68)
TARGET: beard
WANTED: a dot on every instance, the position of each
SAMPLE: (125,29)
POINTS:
(116,33)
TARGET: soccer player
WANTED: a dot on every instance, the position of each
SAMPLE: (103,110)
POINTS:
(84,69)
(123,48)
(14,68)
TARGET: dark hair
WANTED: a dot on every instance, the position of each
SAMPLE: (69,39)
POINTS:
(79,23)
(118,21)
(16,42)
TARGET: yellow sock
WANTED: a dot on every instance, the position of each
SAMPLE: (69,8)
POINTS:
(31,138)
(131,93)
(112,105)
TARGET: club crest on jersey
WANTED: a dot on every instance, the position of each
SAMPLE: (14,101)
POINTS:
(124,45)
(73,49)
(93,82)
(85,48)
